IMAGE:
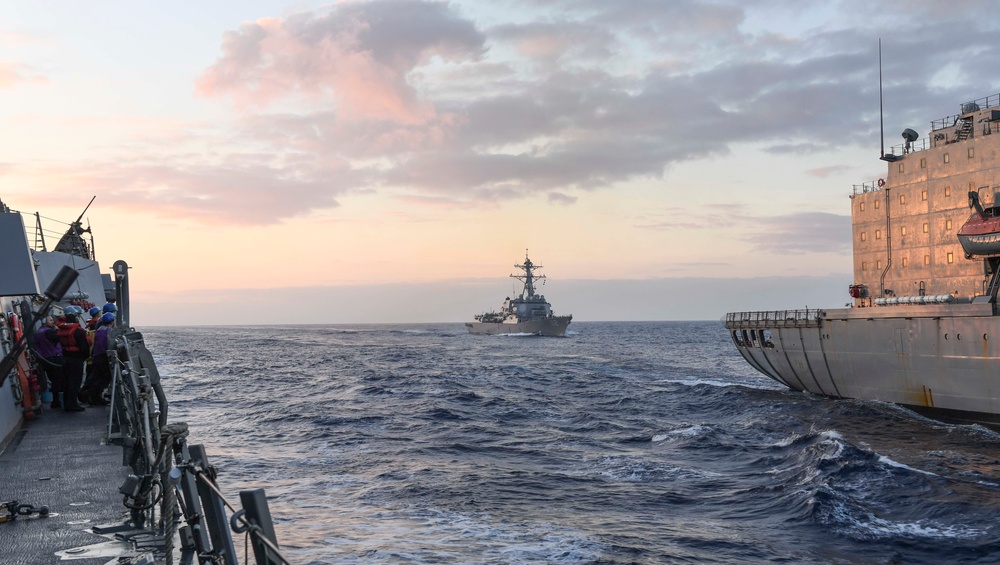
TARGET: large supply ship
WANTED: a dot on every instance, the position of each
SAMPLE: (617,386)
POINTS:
(528,313)
(115,481)
(922,328)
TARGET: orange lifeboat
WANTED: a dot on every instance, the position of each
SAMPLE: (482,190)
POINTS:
(980,235)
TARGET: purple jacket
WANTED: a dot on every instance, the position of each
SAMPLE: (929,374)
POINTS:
(101,341)
(47,343)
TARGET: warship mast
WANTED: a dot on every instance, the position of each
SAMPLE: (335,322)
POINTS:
(528,277)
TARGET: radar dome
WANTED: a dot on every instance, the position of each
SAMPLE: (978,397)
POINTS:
(970,107)
(910,135)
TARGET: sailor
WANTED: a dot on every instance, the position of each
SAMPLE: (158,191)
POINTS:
(48,351)
(95,317)
(76,350)
(92,325)
(93,392)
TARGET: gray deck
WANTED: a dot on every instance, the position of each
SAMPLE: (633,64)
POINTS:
(61,460)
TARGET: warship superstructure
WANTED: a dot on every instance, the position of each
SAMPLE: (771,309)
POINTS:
(922,328)
(528,313)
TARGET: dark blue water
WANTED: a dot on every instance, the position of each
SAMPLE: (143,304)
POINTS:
(621,443)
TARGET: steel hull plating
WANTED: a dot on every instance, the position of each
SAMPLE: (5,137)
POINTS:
(554,326)
(943,360)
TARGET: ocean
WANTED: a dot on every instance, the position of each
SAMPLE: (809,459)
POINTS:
(648,442)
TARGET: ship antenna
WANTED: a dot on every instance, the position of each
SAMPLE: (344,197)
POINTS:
(881,123)
(888,219)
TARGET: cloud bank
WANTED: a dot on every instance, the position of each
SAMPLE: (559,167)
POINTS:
(448,103)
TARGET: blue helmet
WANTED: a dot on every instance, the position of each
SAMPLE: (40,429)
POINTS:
(93,311)
(110,307)
(108,318)
(71,310)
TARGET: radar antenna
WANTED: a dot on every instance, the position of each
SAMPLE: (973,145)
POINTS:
(529,277)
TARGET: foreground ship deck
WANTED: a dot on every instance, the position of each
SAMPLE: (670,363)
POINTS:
(118,483)
(60,461)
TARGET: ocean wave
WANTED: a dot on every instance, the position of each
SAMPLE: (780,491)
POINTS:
(625,443)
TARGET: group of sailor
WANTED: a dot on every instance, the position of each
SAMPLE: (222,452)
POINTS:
(68,349)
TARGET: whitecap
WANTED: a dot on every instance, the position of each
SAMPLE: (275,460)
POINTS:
(897,464)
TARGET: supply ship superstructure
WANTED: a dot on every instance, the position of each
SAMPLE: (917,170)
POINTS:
(922,327)
(528,313)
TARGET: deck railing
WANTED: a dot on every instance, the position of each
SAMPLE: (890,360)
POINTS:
(775,319)
(867,186)
(938,137)
(980,104)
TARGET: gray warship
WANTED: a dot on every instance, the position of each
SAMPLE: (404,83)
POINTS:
(528,313)
(115,482)
(922,328)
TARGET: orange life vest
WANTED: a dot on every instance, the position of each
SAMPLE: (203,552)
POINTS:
(67,339)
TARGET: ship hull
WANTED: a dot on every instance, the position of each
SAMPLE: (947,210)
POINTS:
(554,326)
(941,360)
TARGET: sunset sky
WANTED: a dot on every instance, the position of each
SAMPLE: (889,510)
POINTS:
(389,161)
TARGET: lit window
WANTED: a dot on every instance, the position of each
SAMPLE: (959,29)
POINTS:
(878,234)
(902,230)
(862,206)
(927,259)
(951,257)
(902,199)
(923,162)
(972,152)
(878,264)
(864,266)
(876,204)
(864,236)
(923,195)
(947,191)
(906,262)
(900,167)
(926,228)
(947,224)
(947,158)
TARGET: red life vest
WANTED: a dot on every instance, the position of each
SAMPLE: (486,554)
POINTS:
(67,339)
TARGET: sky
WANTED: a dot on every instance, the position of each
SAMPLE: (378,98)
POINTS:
(390,161)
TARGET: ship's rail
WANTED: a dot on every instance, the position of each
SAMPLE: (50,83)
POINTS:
(804,318)
(914,146)
(170,476)
(979,104)
(865,187)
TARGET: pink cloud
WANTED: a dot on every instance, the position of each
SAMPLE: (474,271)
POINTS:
(12,75)
(357,56)
(243,190)
(823,172)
